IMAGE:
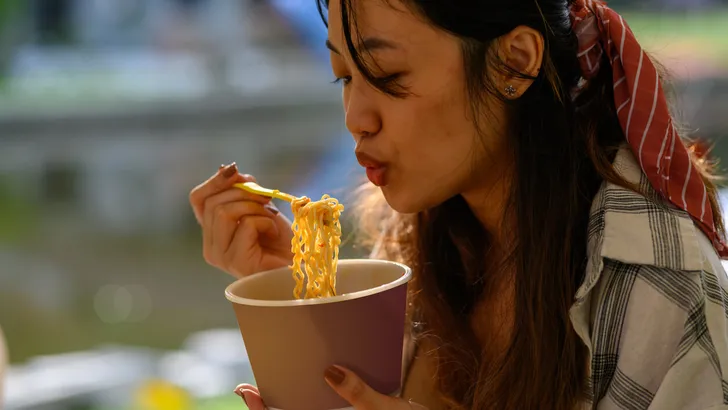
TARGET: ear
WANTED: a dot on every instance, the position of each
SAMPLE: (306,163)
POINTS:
(522,50)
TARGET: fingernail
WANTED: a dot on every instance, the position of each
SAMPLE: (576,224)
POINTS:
(239,392)
(229,170)
(272,209)
(334,375)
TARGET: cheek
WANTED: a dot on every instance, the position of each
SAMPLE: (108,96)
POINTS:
(434,142)
(442,137)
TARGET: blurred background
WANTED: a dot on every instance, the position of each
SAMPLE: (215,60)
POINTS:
(112,110)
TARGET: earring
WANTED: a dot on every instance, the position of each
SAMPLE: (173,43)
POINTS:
(511,91)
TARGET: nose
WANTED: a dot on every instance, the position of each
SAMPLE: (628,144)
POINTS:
(362,116)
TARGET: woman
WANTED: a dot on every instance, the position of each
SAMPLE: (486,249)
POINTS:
(565,241)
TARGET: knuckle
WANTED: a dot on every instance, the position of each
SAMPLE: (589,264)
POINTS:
(207,254)
(206,203)
(194,196)
(222,212)
(247,223)
(236,271)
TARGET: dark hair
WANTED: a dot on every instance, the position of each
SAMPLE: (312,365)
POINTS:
(563,149)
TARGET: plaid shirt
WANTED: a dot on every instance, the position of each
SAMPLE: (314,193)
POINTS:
(653,308)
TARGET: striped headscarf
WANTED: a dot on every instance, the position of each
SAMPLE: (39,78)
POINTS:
(643,111)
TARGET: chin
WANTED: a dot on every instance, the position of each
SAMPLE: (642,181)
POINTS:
(403,202)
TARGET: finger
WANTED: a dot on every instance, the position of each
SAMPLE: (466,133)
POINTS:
(211,205)
(249,232)
(225,177)
(221,180)
(251,396)
(246,386)
(353,389)
(226,217)
(227,196)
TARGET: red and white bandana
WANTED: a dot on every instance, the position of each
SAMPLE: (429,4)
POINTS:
(643,111)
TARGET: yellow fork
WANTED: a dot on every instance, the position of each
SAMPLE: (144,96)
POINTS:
(254,188)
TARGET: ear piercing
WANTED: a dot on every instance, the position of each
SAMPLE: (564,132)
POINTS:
(511,91)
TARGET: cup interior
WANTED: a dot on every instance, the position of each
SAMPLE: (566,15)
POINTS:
(355,278)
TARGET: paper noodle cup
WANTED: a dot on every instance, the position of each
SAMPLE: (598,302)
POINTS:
(291,342)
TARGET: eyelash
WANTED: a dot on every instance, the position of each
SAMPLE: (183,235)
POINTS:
(342,80)
(385,79)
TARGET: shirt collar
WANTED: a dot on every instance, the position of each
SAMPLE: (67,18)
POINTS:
(637,228)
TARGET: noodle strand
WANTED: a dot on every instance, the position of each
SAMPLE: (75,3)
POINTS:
(315,246)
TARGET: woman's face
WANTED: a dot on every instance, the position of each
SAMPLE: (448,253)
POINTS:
(424,148)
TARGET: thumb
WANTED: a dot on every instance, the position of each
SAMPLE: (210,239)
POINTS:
(353,389)
(251,396)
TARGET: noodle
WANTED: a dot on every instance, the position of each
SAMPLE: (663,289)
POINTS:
(315,246)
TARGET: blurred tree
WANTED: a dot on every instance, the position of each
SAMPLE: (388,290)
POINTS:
(7,7)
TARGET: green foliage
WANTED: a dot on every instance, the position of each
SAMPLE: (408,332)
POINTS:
(7,9)
(18,217)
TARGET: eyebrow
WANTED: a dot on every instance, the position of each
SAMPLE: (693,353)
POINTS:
(369,44)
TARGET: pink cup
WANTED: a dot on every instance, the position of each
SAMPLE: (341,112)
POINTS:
(291,342)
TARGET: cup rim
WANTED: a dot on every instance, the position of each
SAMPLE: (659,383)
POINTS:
(406,277)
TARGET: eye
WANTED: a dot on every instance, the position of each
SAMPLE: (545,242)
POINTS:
(342,80)
(389,79)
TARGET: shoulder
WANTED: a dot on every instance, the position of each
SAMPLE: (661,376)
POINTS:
(641,228)
(645,253)
(654,304)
